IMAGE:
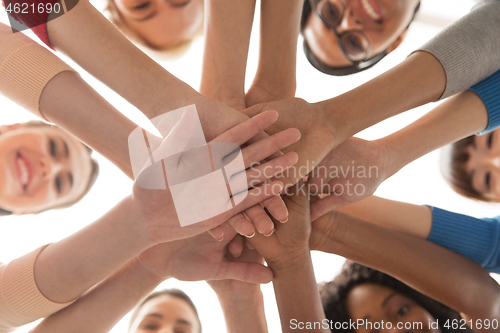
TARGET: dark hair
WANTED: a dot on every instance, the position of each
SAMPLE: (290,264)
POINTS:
(334,295)
(339,71)
(167,292)
(453,168)
(92,179)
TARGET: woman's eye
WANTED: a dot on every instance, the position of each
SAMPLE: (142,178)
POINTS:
(53,148)
(149,327)
(355,43)
(403,310)
(487,180)
(58,184)
(142,6)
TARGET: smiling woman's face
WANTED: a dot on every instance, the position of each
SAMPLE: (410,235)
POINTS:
(382,21)
(165,314)
(376,303)
(162,23)
(483,165)
(41,167)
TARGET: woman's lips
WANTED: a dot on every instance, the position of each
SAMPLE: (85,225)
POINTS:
(24,170)
(371,9)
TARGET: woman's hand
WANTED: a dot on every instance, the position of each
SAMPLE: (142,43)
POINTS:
(291,239)
(349,173)
(202,258)
(318,137)
(157,208)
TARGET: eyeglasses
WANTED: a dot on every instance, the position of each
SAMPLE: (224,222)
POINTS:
(353,43)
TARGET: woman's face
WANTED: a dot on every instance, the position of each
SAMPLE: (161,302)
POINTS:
(165,314)
(484,164)
(162,23)
(383,22)
(376,303)
(40,168)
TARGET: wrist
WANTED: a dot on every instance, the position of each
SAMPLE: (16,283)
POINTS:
(172,96)
(292,261)
(251,294)
(145,272)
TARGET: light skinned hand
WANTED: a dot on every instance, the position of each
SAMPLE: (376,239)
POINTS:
(349,173)
(201,258)
(156,206)
(318,137)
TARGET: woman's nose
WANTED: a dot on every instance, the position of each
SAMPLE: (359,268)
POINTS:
(349,21)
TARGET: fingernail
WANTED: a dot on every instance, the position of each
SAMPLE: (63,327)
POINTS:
(250,246)
(250,236)
(220,239)
(269,233)
(285,221)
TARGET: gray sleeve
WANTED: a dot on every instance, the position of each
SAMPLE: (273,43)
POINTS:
(469,49)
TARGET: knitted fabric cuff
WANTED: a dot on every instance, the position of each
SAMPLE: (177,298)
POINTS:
(468,49)
(476,239)
(26,72)
(489,92)
(21,293)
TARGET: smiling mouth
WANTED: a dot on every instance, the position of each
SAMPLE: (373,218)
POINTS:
(371,10)
(24,172)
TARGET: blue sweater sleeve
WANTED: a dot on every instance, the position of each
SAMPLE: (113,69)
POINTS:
(476,239)
(489,92)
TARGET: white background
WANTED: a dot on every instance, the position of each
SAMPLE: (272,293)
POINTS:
(418,183)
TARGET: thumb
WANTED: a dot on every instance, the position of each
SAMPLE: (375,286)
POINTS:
(245,271)
(254,110)
(325,205)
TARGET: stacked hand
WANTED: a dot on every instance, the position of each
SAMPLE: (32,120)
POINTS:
(156,206)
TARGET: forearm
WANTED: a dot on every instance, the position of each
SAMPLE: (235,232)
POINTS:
(243,311)
(297,293)
(454,119)
(103,306)
(97,46)
(449,278)
(418,80)
(279,31)
(228,25)
(66,269)
(404,217)
(71,103)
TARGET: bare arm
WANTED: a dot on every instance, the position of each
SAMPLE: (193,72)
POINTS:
(449,278)
(228,25)
(279,32)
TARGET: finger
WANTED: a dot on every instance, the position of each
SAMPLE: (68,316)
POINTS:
(243,132)
(277,208)
(260,220)
(245,271)
(254,110)
(325,205)
(261,136)
(235,247)
(217,233)
(260,173)
(260,150)
(242,225)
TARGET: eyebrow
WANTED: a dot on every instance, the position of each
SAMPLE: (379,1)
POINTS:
(184,321)
(153,14)
(386,300)
(154,314)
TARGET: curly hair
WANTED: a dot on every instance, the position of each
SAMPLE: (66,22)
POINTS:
(334,295)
